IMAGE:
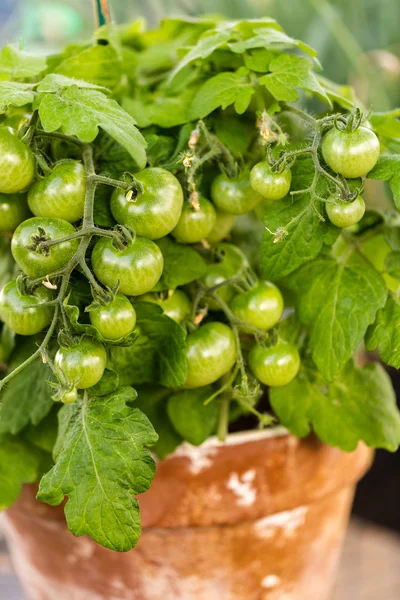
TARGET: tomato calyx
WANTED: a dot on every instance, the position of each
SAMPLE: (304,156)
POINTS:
(39,242)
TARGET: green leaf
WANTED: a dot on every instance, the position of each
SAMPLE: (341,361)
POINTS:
(305,240)
(108,384)
(162,110)
(56,83)
(8,267)
(98,64)
(101,462)
(81,112)
(384,334)
(234,132)
(19,464)
(221,91)
(206,45)
(14,94)
(386,124)
(44,434)
(157,356)
(287,73)
(152,401)
(337,301)
(193,420)
(182,264)
(258,60)
(16,64)
(270,38)
(343,95)
(27,397)
(359,406)
(388,169)
(392,264)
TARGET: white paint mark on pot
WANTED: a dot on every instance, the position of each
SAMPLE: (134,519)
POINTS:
(270,581)
(288,521)
(242,487)
(200,457)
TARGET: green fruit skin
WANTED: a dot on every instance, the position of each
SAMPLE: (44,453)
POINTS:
(177,306)
(155,212)
(70,396)
(233,263)
(137,268)
(37,264)
(345,214)
(194,226)
(235,196)
(351,153)
(17,163)
(61,194)
(115,320)
(223,225)
(275,366)
(210,353)
(83,363)
(261,306)
(271,186)
(13,210)
(22,313)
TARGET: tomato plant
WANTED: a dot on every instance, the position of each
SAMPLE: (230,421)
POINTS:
(180,199)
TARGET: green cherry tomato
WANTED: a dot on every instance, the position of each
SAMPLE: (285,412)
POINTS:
(260,307)
(115,320)
(61,194)
(222,226)
(345,214)
(351,153)
(70,396)
(195,225)
(83,363)
(155,212)
(235,196)
(229,262)
(13,210)
(272,186)
(177,306)
(210,353)
(274,366)
(23,313)
(17,163)
(137,268)
(38,263)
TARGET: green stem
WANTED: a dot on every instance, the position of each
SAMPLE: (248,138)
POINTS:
(59,136)
(223,420)
(112,182)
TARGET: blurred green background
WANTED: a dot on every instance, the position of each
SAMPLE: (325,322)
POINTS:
(358,41)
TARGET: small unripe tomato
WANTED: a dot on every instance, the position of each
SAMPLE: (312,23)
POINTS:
(23,313)
(82,364)
(274,366)
(260,307)
(236,195)
(13,210)
(272,186)
(222,226)
(345,214)
(17,163)
(351,153)
(195,225)
(115,320)
(177,306)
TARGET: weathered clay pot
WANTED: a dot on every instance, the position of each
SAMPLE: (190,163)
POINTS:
(261,517)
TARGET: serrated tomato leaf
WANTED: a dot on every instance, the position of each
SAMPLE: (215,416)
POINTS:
(16,64)
(384,334)
(388,169)
(27,397)
(182,264)
(81,112)
(13,93)
(101,463)
(360,405)
(19,464)
(337,301)
(221,91)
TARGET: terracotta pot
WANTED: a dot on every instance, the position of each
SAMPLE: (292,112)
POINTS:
(261,517)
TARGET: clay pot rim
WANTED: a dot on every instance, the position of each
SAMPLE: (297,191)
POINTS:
(233,439)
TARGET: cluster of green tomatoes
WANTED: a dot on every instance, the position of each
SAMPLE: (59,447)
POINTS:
(43,245)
